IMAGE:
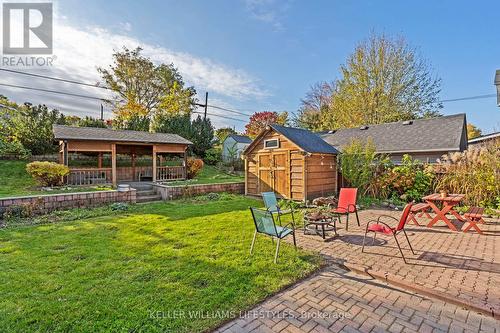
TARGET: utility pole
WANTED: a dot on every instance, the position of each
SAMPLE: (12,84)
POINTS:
(206,105)
(102,113)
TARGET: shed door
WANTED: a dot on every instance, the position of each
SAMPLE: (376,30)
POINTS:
(279,174)
(264,167)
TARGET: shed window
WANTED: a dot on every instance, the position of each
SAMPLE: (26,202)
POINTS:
(273,143)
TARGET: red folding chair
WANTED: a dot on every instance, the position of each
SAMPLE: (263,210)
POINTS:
(379,226)
(347,204)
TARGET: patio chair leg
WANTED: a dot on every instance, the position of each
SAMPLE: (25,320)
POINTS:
(277,251)
(408,240)
(399,247)
(253,241)
(357,218)
(364,238)
(347,222)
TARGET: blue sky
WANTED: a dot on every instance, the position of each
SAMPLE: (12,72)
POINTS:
(263,55)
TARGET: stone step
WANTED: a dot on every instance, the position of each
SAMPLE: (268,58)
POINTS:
(145,192)
(148,198)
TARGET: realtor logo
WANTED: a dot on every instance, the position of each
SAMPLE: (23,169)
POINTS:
(27,28)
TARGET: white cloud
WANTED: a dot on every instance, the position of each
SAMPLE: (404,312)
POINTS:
(80,50)
(268,11)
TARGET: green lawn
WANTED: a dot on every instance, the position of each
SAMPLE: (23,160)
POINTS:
(157,268)
(15,181)
(210,175)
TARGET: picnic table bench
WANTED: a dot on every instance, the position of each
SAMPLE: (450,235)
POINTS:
(473,216)
(421,208)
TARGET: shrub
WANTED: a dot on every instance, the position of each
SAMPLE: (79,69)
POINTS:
(47,173)
(13,148)
(360,165)
(194,166)
(213,196)
(409,181)
(475,173)
(213,156)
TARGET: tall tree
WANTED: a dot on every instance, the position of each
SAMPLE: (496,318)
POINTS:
(259,121)
(222,133)
(384,80)
(473,131)
(144,89)
(316,101)
(32,127)
(202,135)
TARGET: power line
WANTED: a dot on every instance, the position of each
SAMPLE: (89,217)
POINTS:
(229,110)
(220,116)
(468,98)
(52,91)
(54,78)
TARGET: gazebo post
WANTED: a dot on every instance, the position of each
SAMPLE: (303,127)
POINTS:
(113,163)
(185,163)
(99,160)
(65,153)
(154,163)
(133,163)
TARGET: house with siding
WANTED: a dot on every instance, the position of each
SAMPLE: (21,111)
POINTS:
(424,139)
(233,146)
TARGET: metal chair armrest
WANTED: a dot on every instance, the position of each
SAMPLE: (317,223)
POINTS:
(392,217)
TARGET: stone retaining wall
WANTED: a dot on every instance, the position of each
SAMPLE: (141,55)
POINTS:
(174,192)
(42,204)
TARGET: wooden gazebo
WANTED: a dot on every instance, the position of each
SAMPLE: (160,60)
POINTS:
(103,145)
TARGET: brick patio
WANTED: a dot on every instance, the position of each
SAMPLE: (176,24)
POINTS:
(452,276)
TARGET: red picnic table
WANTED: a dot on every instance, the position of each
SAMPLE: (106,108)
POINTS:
(448,202)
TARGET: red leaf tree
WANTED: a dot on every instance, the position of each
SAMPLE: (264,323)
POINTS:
(259,121)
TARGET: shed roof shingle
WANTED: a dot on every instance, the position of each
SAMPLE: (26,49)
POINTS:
(306,140)
(62,132)
(240,138)
(433,134)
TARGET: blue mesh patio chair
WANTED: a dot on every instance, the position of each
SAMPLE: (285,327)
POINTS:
(264,224)
(272,206)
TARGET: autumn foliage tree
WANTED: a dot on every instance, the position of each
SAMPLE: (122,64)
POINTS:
(259,121)
(473,131)
(383,80)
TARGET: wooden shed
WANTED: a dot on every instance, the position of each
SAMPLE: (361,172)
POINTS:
(295,163)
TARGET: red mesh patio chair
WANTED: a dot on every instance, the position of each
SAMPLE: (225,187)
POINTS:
(381,227)
(347,204)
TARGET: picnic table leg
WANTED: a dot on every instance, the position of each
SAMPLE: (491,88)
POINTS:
(441,215)
(454,213)
(472,224)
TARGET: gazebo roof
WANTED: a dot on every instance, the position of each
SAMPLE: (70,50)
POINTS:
(62,132)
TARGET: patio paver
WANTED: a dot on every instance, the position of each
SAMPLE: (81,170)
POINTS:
(463,267)
(337,300)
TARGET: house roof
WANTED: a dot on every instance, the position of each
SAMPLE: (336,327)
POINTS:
(306,140)
(485,137)
(421,135)
(240,138)
(62,132)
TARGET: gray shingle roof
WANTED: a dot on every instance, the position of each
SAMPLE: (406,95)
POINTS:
(422,135)
(305,139)
(241,138)
(106,134)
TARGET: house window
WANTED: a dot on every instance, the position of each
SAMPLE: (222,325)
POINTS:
(273,143)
